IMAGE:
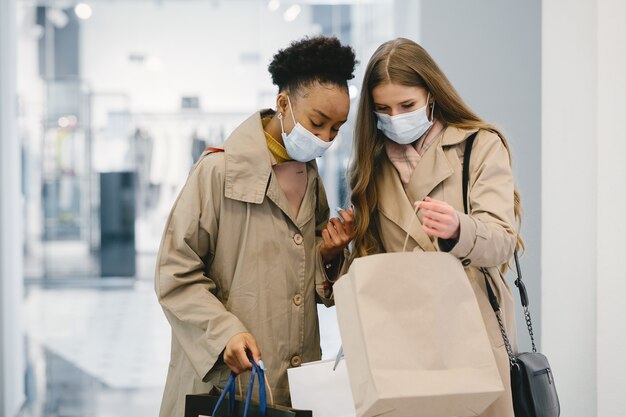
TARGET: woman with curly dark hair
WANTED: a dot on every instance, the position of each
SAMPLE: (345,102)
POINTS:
(248,250)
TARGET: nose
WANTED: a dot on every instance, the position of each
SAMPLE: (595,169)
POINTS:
(326,136)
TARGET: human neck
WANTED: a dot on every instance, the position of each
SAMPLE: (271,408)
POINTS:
(273,128)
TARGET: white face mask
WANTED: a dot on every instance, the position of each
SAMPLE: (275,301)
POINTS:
(406,128)
(301,144)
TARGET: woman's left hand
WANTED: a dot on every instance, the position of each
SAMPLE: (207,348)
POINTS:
(337,235)
(440,219)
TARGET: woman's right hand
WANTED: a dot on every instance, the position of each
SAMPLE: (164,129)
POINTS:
(236,356)
(337,235)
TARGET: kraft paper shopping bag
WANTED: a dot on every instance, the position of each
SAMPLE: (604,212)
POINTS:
(414,340)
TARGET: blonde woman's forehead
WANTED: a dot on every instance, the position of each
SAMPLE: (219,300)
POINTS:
(392,93)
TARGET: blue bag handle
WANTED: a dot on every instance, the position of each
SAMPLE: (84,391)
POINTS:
(229,389)
(260,373)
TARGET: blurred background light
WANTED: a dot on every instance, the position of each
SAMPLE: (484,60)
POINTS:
(83,11)
(273,5)
(292,13)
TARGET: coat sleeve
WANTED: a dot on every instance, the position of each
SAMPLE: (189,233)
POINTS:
(199,320)
(487,235)
(325,274)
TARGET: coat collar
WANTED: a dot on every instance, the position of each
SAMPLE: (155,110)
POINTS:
(454,135)
(248,172)
(434,167)
(248,164)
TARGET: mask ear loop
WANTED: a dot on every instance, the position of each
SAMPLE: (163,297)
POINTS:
(432,109)
(291,110)
(280,117)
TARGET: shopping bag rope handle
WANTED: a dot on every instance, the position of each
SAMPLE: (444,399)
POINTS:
(269,389)
(267,385)
(229,390)
(406,239)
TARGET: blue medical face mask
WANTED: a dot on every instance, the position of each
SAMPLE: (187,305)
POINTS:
(406,128)
(301,144)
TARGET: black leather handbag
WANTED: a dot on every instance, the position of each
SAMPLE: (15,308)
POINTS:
(532,382)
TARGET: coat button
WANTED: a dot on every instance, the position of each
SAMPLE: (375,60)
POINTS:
(296,361)
(298,239)
(298,299)
(466,262)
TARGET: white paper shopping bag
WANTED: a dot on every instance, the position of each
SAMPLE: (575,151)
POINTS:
(315,386)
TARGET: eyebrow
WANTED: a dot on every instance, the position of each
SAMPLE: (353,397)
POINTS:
(403,102)
(326,117)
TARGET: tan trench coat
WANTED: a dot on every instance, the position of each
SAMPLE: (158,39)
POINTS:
(233,260)
(487,236)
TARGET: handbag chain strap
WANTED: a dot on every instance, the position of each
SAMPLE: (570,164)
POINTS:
(524,300)
(505,337)
(493,299)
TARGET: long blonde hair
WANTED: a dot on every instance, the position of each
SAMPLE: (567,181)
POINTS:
(402,62)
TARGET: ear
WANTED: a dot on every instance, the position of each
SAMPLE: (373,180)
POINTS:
(281,103)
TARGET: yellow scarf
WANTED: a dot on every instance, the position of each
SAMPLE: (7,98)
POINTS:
(278,151)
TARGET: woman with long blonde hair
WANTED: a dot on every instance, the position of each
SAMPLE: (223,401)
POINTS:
(411,133)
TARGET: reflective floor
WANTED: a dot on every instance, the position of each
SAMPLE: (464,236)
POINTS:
(96,352)
(58,388)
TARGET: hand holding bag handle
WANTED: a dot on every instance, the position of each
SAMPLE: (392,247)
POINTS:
(230,390)
(532,384)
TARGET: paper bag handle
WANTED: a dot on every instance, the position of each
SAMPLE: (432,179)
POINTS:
(406,239)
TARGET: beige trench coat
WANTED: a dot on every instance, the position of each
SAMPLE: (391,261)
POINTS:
(233,260)
(487,236)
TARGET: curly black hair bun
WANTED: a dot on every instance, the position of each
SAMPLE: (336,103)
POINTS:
(321,58)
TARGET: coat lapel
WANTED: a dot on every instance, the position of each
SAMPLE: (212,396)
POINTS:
(431,170)
(249,175)
(309,202)
(394,204)
(307,209)
(278,197)
(434,167)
